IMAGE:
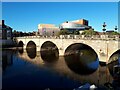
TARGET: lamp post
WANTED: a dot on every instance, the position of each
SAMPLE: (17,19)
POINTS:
(115,28)
(104,25)
(104,29)
(53,33)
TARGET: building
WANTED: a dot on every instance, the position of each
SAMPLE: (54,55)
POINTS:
(5,35)
(5,31)
(0,29)
(47,29)
(109,31)
(82,22)
(76,25)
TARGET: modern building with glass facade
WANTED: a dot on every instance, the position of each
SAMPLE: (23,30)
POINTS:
(75,25)
(71,26)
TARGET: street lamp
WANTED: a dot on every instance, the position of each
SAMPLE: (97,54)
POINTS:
(104,25)
(53,33)
(104,29)
(115,28)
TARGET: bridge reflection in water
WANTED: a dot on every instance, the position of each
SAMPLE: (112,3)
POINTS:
(82,66)
(20,46)
(49,52)
(83,59)
(114,60)
(31,49)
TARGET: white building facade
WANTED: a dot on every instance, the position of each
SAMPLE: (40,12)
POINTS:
(48,29)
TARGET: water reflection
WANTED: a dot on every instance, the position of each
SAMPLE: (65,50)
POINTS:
(31,52)
(114,60)
(31,49)
(21,75)
(49,52)
(35,74)
(20,47)
(6,59)
(114,69)
(20,50)
(81,59)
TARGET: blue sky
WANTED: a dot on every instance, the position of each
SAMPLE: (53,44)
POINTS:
(25,16)
(60,0)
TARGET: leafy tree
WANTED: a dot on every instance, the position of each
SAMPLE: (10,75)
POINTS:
(14,33)
(89,32)
(76,32)
(63,32)
(115,33)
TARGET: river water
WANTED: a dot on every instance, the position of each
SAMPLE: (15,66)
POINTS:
(28,70)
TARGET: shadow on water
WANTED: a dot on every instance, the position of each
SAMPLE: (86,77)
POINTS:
(49,52)
(81,59)
(31,49)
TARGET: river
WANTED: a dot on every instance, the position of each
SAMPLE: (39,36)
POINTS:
(28,70)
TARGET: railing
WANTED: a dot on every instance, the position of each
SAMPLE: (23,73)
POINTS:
(93,37)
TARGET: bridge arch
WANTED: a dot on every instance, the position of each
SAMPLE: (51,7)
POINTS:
(31,44)
(76,46)
(31,49)
(81,58)
(20,44)
(115,56)
(113,61)
(49,51)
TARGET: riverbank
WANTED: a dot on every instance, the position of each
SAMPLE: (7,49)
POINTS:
(7,44)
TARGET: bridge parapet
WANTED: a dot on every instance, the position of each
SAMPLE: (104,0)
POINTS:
(84,37)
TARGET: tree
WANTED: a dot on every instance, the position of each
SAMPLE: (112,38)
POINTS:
(21,34)
(89,32)
(115,33)
(76,32)
(63,32)
(14,33)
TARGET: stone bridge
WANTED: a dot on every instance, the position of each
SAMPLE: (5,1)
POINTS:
(103,48)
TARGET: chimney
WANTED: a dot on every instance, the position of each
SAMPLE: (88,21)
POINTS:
(2,22)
